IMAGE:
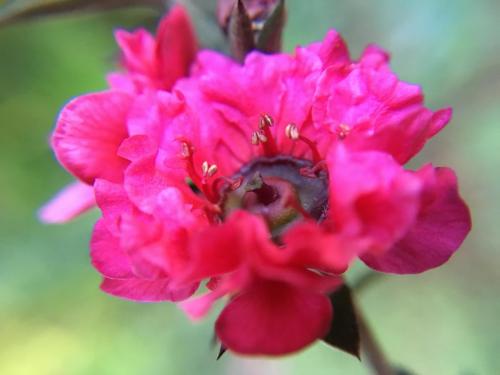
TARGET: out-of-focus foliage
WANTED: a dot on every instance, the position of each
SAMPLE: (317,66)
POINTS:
(56,321)
(20,10)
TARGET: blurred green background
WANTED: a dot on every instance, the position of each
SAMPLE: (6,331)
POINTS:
(54,319)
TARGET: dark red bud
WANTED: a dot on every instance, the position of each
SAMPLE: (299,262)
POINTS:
(258,11)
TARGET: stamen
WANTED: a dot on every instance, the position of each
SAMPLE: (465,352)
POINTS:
(212,170)
(208,170)
(265,137)
(204,168)
(292,132)
(262,137)
(187,151)
(266,121)
(343,131)
(255,138)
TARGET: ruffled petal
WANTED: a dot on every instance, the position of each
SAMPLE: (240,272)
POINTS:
(175,46)
(369,108)
(138,51)
(442,225)
(70,202)
(113,202)
(221,249)
(142,290)
(372,198)
(107,256)
(273,318)
(332,50)
(88,133)
(311,246)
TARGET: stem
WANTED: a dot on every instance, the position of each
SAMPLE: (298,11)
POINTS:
(371,349)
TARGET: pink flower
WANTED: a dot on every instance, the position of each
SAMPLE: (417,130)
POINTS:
(266,180)
(151,63)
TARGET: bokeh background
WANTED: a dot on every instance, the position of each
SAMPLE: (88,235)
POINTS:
(54,319)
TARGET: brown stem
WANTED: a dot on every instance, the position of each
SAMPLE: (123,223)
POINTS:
(371,349)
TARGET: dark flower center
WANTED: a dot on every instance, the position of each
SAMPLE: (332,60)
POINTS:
(281,189)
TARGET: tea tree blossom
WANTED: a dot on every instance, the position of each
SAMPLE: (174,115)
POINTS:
(259,183)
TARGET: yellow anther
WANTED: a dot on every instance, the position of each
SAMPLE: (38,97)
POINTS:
(292,132)
(255,138)
(266,121)
(261,137)
(212,170)
(343,131)
(204,168)
(208,170)
(186,151)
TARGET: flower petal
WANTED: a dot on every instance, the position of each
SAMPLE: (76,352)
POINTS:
(70,202)
(273,318)
(107,256)
(138,50)
(371,197)
(175,47)
(88,133)
(142,290)
(371,109)
(442,225)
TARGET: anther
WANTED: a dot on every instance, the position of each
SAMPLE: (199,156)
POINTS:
(292,132)
(212,170)
(204,168)
(255,138)
(264,136)
(266,121)
(186,150)
(258,137)
(343,131)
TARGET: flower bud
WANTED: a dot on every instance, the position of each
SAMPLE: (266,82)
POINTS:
(258,11)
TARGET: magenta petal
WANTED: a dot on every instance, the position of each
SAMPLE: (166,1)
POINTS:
(88,133)
(106,255)
(138,50)
(442,225)
(142,290)
(70,202)
(273,318)
(176,46)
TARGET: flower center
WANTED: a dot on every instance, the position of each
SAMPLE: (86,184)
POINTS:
(281,189)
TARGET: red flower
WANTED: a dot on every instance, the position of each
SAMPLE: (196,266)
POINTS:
(150,63)
(266,180)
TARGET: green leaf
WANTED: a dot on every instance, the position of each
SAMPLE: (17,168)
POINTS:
(19,10)
(344,332)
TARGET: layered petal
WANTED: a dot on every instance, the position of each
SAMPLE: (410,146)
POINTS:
(176,46)
(156,63)
(232,102)
(273,318)
(107,256)
(368,107)
(88,133)
(138,51)
(142,290)
(442,224)
(372,198)
(313,246)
